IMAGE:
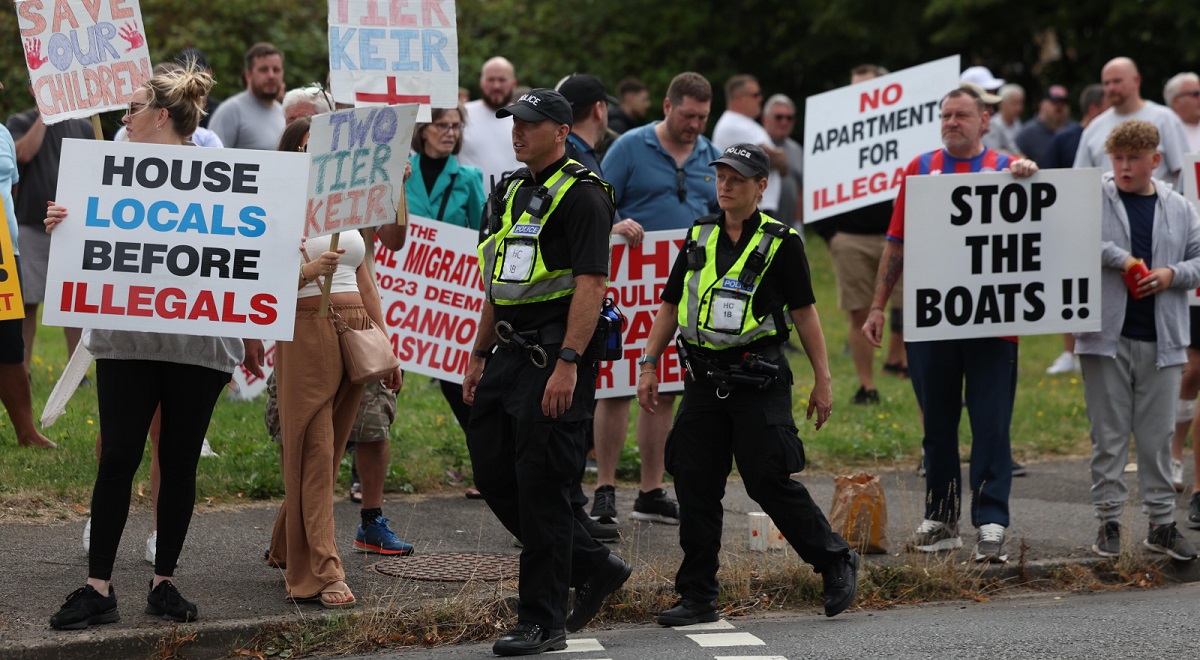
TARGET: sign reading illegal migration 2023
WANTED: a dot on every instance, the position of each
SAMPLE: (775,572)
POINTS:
(177,239)
(858,139)
(84,56)
(394,51)
(988,255)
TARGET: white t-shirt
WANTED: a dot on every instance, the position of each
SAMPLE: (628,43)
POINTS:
(1192,133)
(735,128)
(1171,141)
(243,122)
(487,143)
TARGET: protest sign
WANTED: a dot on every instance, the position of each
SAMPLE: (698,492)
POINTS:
(176,239)
(858,139)
(384,53)
(357,174)
(247,386)
(84,56)
(989,255)
(11,305)
(637,275)
(1190,178)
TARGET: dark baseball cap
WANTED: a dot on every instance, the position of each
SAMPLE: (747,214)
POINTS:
(747,159)
(583,89)
(538,105)
(1057,93)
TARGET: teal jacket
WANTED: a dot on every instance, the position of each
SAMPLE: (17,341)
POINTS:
(465,205)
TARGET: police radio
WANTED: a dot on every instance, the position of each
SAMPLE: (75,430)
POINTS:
(606,342)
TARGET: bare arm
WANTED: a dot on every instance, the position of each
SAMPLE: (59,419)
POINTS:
(581,325)
(484,338)
(31,142)
(777,156)
(666,322)
(808,326)
(891,267)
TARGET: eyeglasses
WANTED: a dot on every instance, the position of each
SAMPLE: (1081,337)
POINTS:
(443,126)
(681,184)
(314,88)
(135,107)
(784,117)
(1195,93)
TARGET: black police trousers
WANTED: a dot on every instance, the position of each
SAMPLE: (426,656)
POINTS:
(525,464)
(756,428)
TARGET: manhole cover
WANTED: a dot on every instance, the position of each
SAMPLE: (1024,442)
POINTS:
(452,567)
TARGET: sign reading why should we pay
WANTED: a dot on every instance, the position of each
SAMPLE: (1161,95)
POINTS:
(357,174)
(384,52)
(176,239)
(988,255)
(84,56)
(11,305)
(858,139)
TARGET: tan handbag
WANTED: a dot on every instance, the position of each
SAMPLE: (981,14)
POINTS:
(367,353)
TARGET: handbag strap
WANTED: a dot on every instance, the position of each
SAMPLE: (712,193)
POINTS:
(446,197)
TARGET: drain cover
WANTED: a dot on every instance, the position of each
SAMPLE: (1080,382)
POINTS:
(452,567)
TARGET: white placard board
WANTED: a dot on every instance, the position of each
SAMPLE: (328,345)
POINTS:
(859,138)
(84,56)
(357,175)
(384,53)
(176,239)
(989,255)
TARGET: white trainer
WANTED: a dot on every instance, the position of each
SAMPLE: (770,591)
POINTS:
(206,450)
(1177,475)
(87,537)
(1064,364)
(152,546)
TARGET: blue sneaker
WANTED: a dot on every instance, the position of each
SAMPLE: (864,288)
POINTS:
(378,538)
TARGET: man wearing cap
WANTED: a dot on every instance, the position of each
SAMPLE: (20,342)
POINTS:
(939,368)
(736,289)
(1053,114)
(544,262)
(662,179)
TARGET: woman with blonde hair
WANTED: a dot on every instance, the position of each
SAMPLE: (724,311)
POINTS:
(136,372)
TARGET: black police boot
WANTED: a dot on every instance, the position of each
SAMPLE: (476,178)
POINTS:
(591,594)
(685,612)
(841,584)
(529,639)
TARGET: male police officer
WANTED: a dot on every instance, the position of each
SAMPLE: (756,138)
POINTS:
(739,280)
(545,265)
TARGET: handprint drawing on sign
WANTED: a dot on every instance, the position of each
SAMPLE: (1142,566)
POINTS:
(33,53)
(129,32)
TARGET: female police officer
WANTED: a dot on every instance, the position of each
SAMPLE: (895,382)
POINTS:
(739,280)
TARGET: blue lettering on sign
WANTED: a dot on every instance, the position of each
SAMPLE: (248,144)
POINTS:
(337,49)
(734,283)
(527,229)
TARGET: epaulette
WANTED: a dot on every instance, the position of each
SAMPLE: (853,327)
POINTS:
(710,219)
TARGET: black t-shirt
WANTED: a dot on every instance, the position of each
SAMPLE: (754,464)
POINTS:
(868,220)
(574,236)
(39,177)
(431,169)
(1139,314)
(785,283)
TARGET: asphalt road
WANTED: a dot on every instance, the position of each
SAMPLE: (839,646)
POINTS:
(1155,623)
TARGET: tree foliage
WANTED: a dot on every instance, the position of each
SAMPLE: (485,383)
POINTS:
(801,48)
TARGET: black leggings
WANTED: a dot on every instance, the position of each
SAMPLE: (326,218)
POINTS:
(128,392)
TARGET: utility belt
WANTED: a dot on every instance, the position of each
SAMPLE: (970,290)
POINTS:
(531,342)
(757,370)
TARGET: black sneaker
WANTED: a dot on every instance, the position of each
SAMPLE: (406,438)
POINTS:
(604,505)
(685,612)
(1018,470)
(655,506)
(1108,539)
(165,600)
(598,532)
(841,584)
(529,639)
(1193,520)
(590,595)
(1167,540)
(84,607)
(865,397)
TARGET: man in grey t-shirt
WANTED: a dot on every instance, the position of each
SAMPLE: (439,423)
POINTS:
(253,119)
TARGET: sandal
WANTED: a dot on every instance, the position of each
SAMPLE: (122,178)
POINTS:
(896,369)
(356,492)
(337,599)
(473,493)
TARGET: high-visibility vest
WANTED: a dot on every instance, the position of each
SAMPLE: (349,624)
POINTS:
(717,312)
(511,258)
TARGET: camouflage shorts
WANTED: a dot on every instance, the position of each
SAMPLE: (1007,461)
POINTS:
(375,414)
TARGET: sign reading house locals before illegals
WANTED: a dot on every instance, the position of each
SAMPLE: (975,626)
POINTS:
(84,56)
(11,305)
(176,239)
(384,53)
(358,161)
(989,255)
(857,139)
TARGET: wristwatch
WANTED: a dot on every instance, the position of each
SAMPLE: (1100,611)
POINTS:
(482,353)
(647,359)
(570,355)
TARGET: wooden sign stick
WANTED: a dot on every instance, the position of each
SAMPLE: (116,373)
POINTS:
(323,311)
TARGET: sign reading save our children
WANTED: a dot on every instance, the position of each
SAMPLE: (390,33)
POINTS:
(384,52)
(357,174)
(988,255)
(176,239)
(84,56)
(858,139)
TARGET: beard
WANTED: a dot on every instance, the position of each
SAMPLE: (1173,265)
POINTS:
(497,100)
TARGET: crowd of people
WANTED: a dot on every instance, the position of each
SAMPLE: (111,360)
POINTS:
(562,170)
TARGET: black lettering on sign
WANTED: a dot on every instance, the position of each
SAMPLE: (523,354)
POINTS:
(1013,203)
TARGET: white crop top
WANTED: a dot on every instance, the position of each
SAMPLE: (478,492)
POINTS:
(345,279)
